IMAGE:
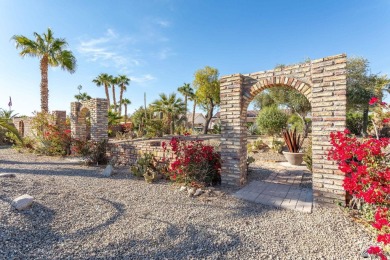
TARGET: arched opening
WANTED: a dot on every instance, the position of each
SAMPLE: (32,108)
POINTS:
(84,124)
(323,83)
(21,128)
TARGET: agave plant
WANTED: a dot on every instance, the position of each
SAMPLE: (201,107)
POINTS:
(293,141)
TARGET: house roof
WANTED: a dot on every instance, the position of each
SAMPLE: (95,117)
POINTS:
(249,113)
(189,116)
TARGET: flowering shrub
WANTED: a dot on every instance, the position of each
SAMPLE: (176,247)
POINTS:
(193,162)
(367,176)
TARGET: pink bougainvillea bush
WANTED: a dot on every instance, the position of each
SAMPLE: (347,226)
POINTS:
(366,166)
(193,162)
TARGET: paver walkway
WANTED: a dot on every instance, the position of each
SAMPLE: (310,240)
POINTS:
(281,189)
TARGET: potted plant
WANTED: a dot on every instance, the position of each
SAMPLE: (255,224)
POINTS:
(294,143)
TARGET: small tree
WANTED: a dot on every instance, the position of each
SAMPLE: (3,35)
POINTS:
(207,87)
(271,120)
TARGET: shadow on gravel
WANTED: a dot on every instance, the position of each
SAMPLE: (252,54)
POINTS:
(39,163)
(36,237)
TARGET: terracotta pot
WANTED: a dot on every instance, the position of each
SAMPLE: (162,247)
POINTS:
(294,158)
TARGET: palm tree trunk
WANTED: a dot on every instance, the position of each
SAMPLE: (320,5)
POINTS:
(113,97)
(125,113)
(120,100)
(44,85)
(185,103)
(107,96)
(193,114)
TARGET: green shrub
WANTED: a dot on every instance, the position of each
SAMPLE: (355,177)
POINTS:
(355,123)
(271,120)
(277,145)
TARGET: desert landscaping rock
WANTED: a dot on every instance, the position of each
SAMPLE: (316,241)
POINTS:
(7,175)
(83,216)
(183,188)
(108,171)
(198,192)
(22,202)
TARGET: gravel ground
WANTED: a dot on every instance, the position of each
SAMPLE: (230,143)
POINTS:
(78,214)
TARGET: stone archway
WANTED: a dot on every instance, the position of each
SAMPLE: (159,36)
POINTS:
(96,109)
(323,83)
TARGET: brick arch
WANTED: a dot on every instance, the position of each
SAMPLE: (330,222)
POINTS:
(97,107)
(323,83)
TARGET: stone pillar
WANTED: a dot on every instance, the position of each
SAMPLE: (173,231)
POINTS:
(74,114)
(60,118)
(329,101)
(233,131)
(99,119)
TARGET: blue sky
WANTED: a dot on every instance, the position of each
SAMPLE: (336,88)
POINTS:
(159,44)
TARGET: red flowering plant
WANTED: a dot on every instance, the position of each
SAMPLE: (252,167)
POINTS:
(193,162)
(366,166)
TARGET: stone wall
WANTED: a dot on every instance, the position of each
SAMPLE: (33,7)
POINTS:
(323,83)
(127,152)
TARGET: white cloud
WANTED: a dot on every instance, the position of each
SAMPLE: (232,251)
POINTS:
(163,23)
(109,50)
(165,53)
(143,78)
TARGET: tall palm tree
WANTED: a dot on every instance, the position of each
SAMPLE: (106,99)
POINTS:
(51,52)
(123,81)
(82,96)
(170,106)
(104,80)
(186,91)
(125,102)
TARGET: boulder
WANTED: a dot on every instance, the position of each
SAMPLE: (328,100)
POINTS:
(198,192)
(7,175)
(183,188)
(108,171)
(191,191)
(22,202)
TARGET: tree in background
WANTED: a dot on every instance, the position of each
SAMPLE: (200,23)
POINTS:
(187,92)
(82,97)
(51,52)
(123,81)
(272,120)
(171,107)
(192,98)
(113,82)
(361,87)
(125,102)
(103,79)
(286,97)
(207,88)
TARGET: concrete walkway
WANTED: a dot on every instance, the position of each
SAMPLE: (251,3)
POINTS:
(281,189)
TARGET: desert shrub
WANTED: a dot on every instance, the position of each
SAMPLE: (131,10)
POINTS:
(216,128)
(295,122)
(253,129)
(50,139)
(277,145)
(193,162)
(271,120)
(93,152)
(154,128)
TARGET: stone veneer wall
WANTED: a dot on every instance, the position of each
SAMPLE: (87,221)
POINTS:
(127,152)
(323,83)
(97,108)
(59,119)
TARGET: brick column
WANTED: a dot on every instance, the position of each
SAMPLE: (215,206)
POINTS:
(233,134)
(328,115)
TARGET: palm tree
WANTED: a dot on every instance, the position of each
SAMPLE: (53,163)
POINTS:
(170,106)
(5,123)
(82,97)
(125,102)
(51,52)
(186,91)
(7,115)
(123,81)
(104,80)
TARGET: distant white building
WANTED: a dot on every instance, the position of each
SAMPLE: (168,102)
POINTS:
(250,117)
(199,121)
